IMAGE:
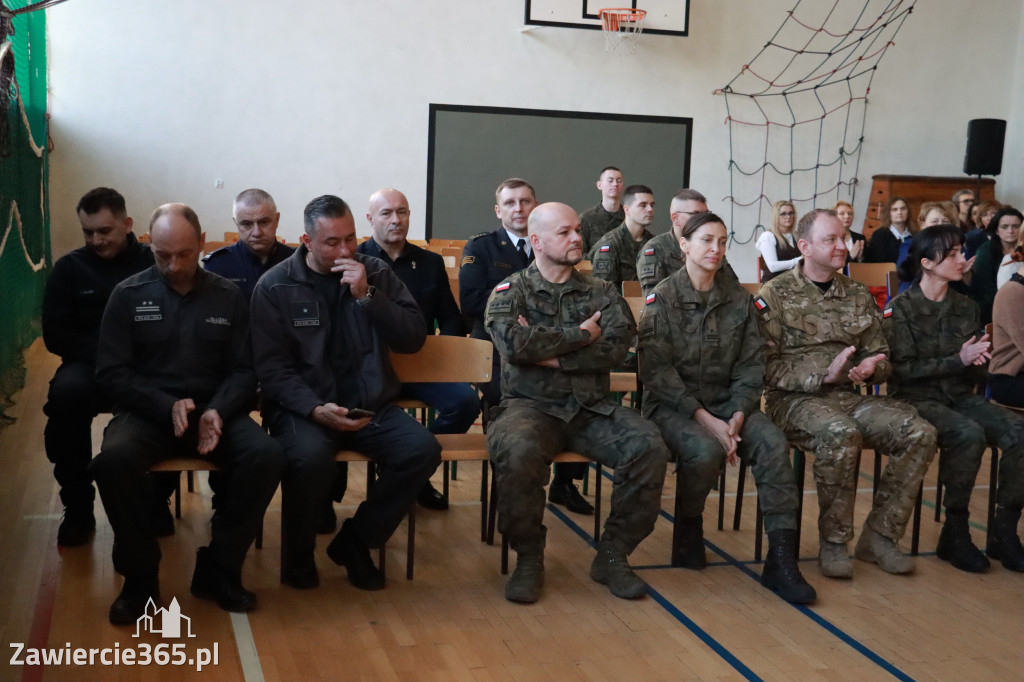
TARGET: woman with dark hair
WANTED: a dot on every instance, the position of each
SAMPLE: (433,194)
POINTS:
(896,231)
(1005,225)
(701,359)
(938,358)
(986,210)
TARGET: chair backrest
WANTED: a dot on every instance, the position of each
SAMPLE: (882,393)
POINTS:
(752,287)
(636,305)
(231,237)
(761,269)
(631,288)
(892,283)
(446,359)
(585,266)
(871,274)
(453,251)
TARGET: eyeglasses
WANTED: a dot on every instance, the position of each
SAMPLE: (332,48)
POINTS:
(787,214)
(966,201)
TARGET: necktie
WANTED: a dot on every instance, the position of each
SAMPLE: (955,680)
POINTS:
(521,248)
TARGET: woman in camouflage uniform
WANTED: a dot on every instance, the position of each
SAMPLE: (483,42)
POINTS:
(938,357)
(701,360)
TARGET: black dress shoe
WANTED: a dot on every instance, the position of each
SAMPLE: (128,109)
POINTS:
(349,551)
(432,499)
(566,493)
(326,519)
(211,581)
(76,528)
(136,592)
(301,573)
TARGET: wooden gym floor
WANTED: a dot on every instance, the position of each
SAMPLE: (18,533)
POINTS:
(452,623)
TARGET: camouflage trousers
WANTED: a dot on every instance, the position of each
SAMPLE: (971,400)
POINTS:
(522,441)
(964,432)
(834,425)
(700,458)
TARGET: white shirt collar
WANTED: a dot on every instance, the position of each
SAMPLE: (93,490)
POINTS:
(515,240)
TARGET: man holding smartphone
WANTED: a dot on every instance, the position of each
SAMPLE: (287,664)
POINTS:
(324,322)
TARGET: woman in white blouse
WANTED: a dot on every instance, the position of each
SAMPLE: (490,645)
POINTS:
(778,244)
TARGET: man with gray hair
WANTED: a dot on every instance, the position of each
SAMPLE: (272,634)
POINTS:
(324,323)
(257,249)
(823,335)
(175,358)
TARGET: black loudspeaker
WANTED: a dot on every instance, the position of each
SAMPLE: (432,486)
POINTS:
(984,154)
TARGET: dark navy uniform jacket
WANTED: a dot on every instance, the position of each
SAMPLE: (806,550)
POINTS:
(77,292)
(487,259)
(157,347)
(424,274)
(238,263)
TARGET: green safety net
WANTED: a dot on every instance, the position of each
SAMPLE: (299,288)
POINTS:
(24,192)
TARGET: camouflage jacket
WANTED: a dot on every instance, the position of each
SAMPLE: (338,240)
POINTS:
(595,223)
(694,356)
(925,338)
(805,329)
(614,256)
(554,313)
(661,257)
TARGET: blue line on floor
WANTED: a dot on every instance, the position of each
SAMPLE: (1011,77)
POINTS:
(699,632)
(807,611)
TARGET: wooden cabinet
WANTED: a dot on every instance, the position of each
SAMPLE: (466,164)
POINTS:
(917,189)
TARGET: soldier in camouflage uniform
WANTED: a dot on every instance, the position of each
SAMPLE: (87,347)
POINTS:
(661,256)
(596,221)
(559,333)
(702,366)
(938,357)
(614,256)
(824,335)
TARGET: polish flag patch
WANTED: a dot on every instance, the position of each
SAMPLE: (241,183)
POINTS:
(651,297)
(760,303)
(503,286)
(887,313)
(605,248)
(649,252)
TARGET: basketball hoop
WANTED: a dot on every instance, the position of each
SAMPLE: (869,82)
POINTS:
(622,27)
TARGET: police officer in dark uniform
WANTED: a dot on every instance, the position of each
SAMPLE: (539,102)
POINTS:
(487,259)
(175,357)
(257,249)
(76,293)
(423,273)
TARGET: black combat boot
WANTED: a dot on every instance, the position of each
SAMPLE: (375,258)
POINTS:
(781,573)
(688,543)
(955,544)
(1003,541)
(610,567)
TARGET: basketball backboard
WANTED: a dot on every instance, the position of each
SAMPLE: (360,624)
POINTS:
(665,17)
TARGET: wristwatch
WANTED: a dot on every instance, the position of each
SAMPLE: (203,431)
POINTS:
(370,291)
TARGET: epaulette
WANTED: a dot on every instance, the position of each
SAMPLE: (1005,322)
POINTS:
(482,234)
(210,255)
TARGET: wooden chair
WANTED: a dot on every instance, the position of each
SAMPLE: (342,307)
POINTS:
(210,247)
(871,274)
(230,237)
(752,287)
(631,288)
(585,266)
(453,252)
(892,283)
(636,306)
(456,359)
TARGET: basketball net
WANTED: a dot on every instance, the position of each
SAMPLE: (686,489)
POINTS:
(622,27)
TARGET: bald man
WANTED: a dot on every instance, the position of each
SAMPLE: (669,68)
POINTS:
(424,274)
(560,333)
(175,358)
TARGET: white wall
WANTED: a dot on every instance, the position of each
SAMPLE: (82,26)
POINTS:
(160,98)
